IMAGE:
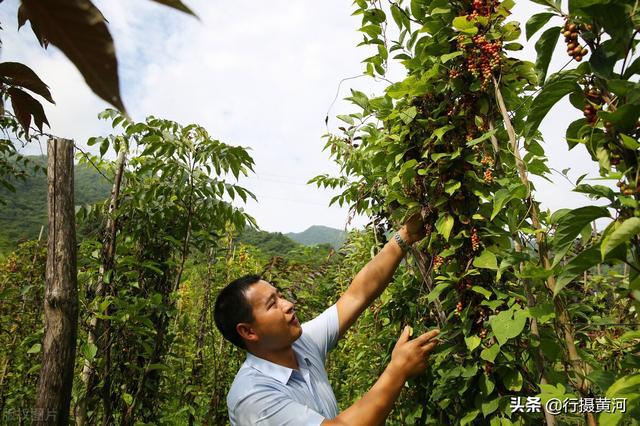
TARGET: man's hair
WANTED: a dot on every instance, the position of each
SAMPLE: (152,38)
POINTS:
(232,308)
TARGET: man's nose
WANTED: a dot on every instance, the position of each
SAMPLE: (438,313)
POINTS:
(288,306)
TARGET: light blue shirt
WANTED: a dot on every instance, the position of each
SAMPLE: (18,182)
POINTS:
(264,393)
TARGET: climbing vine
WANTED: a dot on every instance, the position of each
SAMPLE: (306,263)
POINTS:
(457,140)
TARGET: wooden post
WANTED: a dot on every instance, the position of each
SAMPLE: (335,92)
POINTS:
(61,290)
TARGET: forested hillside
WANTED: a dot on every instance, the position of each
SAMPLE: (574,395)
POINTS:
(25,210)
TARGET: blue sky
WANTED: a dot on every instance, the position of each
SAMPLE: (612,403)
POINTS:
(256,74)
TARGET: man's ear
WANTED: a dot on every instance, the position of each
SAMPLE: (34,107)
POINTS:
(246,331)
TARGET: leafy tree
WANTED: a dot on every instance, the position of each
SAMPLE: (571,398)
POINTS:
(169,205)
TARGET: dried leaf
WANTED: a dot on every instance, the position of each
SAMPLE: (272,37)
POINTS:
(22,16)
(25,106)
(18,74)
(176,4)
(79,30)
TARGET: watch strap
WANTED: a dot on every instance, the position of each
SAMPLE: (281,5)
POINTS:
(401,242)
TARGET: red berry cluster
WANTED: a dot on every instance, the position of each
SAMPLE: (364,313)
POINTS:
(488,176)
(475,240)
(483,333)
(459,308)
(454,73)
(487,160)
(482,8)
(437,262)
(574,49)
(483,57)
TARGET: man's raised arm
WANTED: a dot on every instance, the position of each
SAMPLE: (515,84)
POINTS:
(409,358)
(371,281)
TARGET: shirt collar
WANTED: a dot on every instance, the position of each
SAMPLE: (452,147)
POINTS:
(277,371)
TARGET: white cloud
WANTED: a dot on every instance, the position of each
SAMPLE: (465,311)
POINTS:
(256,74)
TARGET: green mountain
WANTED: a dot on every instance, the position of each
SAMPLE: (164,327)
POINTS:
(271,243)
(25,211)
(318,234)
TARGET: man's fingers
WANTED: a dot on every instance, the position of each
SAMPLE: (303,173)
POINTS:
(405,334)
(426,337)
(428,347)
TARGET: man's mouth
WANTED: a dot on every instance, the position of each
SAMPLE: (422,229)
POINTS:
(294,320)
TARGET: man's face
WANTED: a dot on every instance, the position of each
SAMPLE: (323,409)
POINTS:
(275,323)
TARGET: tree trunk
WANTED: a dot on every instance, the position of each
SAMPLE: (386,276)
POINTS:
(61,292)
(89,377)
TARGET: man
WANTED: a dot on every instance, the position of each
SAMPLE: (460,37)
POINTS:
(283,380)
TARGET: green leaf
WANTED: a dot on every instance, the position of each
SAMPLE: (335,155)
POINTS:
(486,385)
(625,387)
(35,349)
(481,290)
(513,46)
(481,138)
(536,22)
(604,379)
(486,260)
(444,225)
(577,266)
(89,350)
(472,342)
(596,191)
(629,229)
(490,353)
(504,195)
(460,23)
(575,5)
(397,14)
(452,186)
(469,417)
(570,225)
(511,31)
(545,46)
(435,293)
(490,406)
(508,324)
(127,398)
(629,142)
(439,133)
(513,381)
(499,200)
(624,118)
(104,147)
(408,114)
(448,56)
(552,92)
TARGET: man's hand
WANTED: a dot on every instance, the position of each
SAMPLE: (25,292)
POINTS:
(409,357)
(413,229)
